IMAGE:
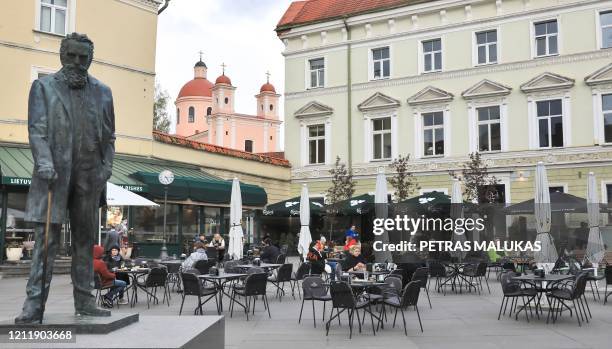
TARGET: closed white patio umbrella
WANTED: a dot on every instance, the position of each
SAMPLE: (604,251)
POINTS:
(235,233)
(305,238)
(595,247)
(457,212)
(547,256)
(381,202)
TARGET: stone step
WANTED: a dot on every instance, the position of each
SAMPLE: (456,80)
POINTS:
(22,268)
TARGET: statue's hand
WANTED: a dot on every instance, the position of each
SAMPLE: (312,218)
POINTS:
(48,174)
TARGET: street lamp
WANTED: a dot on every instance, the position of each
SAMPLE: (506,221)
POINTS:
(166,177)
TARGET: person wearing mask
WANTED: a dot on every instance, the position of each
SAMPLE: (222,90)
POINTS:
(107,278)
(270,253)
(199,253)
(219,244)
(354,261)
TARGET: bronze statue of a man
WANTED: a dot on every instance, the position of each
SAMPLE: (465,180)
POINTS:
(71,124)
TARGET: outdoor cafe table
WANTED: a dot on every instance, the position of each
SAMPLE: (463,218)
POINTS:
(456,274)
(265,266)
(550,279)
(219,281)
(133,274)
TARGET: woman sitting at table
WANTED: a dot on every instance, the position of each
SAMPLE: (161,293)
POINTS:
(354,261)
(107,278)
(316,254)
(270,253)
(219,244)
(199,253)
(115,261)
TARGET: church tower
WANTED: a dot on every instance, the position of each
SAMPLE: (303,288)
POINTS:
(223,94)
(267,100)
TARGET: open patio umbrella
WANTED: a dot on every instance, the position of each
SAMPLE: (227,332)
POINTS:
(235,233)
(595,247)
(457,212)
(305,238)
(548,253)
(559,202)
(354,206)
(381,201)
(291,208)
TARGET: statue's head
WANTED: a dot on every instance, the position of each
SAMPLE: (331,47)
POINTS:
(76,54)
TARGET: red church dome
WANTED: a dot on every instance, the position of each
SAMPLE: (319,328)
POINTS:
(223,79)
(267,87)
(199,87)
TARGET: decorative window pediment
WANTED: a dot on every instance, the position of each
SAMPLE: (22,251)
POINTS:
(378,101)
(430,95)
(546,82)
(601,76)
(486,88)
(313,109)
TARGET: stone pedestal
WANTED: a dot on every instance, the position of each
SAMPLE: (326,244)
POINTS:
(80,324)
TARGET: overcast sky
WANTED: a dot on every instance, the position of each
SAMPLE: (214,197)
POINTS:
(239,33)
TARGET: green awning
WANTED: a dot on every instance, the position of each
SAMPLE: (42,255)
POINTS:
(352,207)
(202,189)
(291,208)
(139,174)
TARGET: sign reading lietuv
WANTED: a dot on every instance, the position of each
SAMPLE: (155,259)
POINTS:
(16,181)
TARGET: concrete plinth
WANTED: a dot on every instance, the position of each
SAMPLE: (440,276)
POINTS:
(80,324)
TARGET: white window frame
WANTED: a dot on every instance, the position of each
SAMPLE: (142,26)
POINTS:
(559,184)
(382,132)
(473,133)
(548,117)
(371,62)
(599,28)
(70,17)
(598,117)
(191,118)
(307,71)
(534,51)
(369,134)
(304,147)
(421,52)
(489,123)
(419,110)
(604,197)
(316,138)
(601,118)
(565,96)
(475,46)
(434,128)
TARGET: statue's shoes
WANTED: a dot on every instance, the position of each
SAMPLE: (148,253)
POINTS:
(27,317)
(92,311)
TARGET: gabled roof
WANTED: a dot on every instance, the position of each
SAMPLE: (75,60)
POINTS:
(547,81)
(313,109)
(486,88)
(430,94)
(601,76)
(378,101)
(313,11)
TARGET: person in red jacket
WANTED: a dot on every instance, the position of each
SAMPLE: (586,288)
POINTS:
(107,278)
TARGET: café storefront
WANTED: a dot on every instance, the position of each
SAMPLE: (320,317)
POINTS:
(198,202)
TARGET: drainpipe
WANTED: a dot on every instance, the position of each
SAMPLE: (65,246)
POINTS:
(349,96)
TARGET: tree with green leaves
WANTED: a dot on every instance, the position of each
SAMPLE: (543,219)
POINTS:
(161,121)
(403,181)
(478,184)
(343,185)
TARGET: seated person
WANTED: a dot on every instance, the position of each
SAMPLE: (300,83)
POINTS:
(199,253)
(219,244)
(349,241)
(270,253)
(115,261)
(317,255)
(354,261)
(107,278)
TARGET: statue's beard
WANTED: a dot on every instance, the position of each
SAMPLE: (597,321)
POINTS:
(76,75)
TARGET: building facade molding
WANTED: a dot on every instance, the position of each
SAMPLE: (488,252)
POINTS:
(486,89)
(378,101)
(313,109)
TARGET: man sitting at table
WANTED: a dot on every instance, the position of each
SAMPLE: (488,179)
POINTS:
(270,253)
(354,261)
(107,278)
(199,253)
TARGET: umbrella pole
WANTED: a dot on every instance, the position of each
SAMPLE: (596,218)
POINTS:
(45,255)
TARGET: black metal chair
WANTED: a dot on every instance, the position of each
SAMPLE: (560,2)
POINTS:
(155,279)
(437,270)
(99,288)
(608,274)
(254,285)
(280,259)
(421,275)
(203,266)
(477,273)
(192,286)
(343,300)
(314,290)
(573,292)
(512,290)
(409,298)
(299,275)
(283,274)
(174,275)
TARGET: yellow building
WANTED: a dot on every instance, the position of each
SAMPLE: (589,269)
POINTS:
(124,35)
